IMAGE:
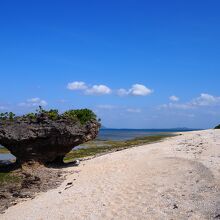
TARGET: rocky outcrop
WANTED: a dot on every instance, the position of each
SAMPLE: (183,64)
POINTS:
(43,139)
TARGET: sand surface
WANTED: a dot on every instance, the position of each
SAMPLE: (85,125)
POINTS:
(178,178)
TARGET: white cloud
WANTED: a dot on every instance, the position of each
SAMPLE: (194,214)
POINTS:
(206,100)
(201,101)
(119,108)
(33,102)
(174,98)
(135,90)
(98,90)
(140,90)
(177,106)
(93,90)
(76,86)
(133,110)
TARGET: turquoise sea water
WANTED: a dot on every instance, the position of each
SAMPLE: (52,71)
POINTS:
(7,157)
(127,134)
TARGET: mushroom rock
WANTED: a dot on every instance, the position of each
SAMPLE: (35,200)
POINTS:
(44,140)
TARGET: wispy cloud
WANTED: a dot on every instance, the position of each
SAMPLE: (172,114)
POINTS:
(121,109)
(107,107)
(77,86)
(133,110)
(174,98)
(177,106)
(206,100)
(33,102)
(122,92)
(203,100)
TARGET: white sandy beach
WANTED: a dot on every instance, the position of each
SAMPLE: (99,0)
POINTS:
(178,178)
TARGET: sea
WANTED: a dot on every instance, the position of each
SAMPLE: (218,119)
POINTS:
(120,135)
(127,134)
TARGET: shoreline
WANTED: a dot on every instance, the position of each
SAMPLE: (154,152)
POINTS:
(23,183)
(176,178)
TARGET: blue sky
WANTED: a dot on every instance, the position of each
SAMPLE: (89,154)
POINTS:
(137,64)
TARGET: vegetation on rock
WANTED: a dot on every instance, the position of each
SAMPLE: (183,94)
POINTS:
(81,115)
(217,127)
(46,135)
(7,115)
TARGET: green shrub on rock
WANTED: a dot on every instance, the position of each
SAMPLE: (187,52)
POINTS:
(83,115)
(52,114)
(7,115)
(31,115)
(217,127)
